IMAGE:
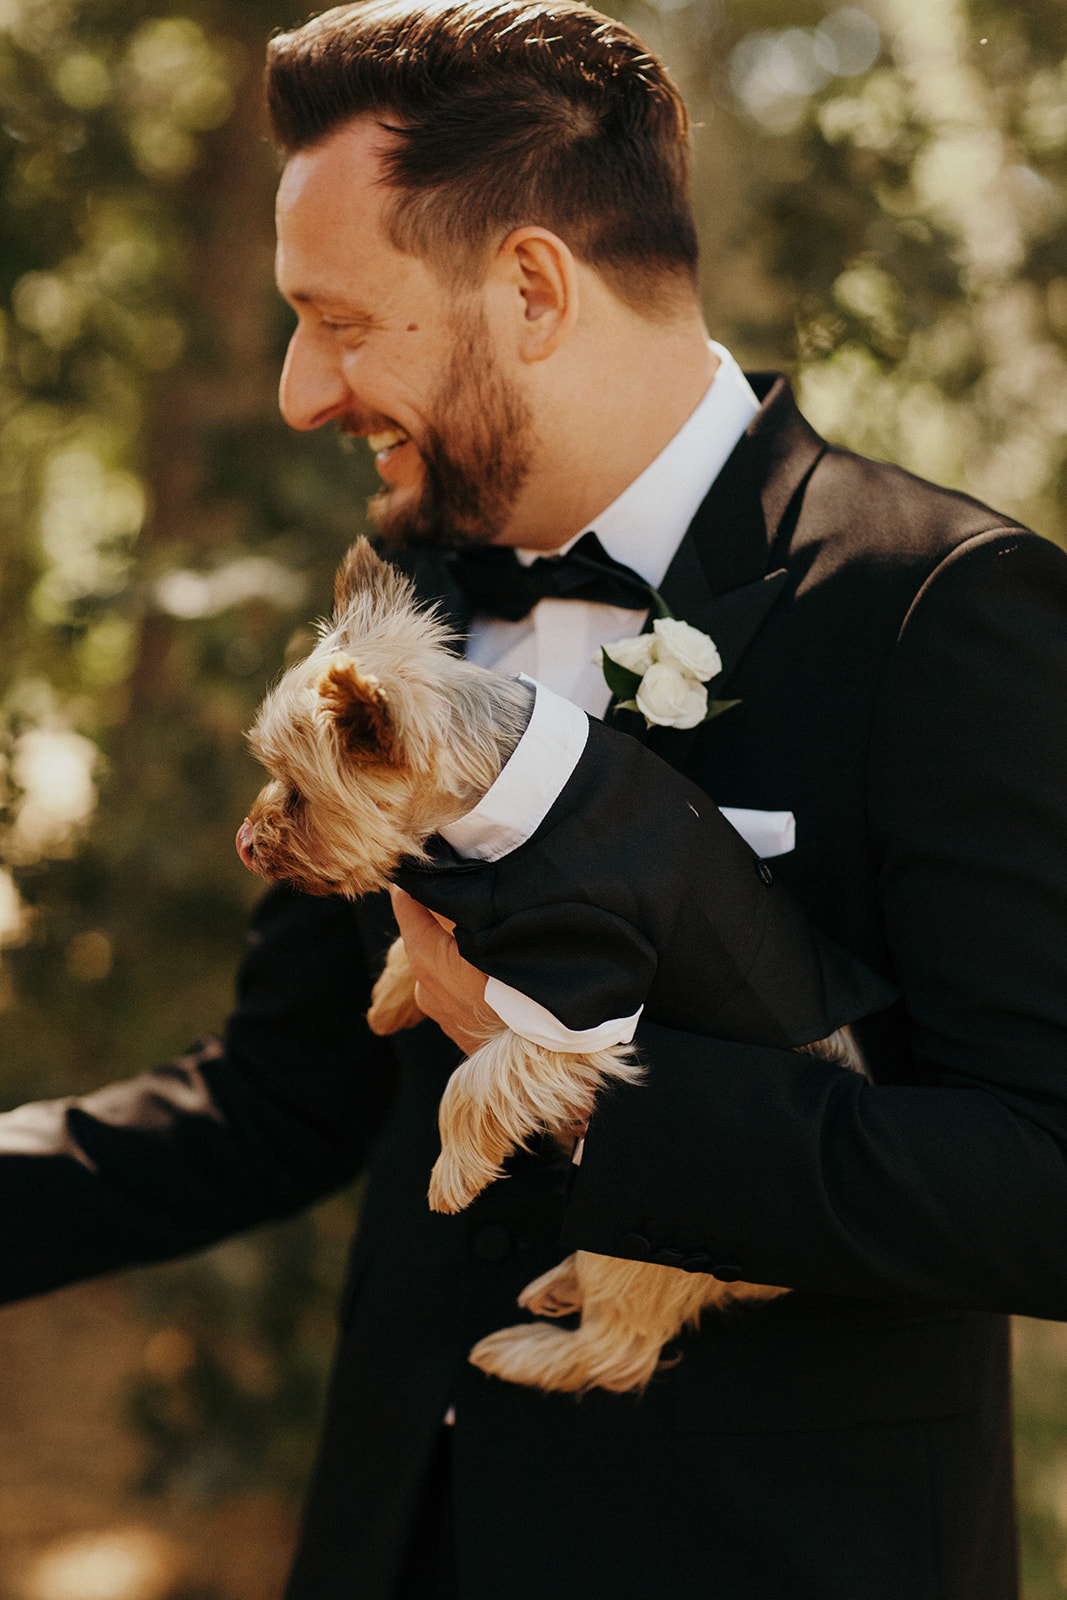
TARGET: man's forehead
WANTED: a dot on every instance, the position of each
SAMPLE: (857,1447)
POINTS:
(328,216)
(347,163)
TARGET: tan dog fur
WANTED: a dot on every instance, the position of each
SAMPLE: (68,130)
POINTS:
(381,737)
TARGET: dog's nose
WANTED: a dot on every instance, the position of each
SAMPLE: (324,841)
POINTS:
(244,845)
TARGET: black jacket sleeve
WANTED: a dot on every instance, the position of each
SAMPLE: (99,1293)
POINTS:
(239,1131)
(950,1184)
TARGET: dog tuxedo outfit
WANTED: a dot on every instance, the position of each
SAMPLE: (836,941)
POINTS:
(581,914)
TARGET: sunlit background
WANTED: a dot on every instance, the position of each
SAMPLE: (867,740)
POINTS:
(881,196)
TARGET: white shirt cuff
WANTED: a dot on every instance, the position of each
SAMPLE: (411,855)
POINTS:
(536,1023)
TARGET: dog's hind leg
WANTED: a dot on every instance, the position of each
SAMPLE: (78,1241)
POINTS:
(543,1357)
(630,1310)
(557,1293)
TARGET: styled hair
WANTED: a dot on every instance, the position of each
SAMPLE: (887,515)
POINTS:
(506,113)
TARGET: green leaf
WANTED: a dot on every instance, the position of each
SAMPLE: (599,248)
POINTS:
(620,680)
(717,707)
(660,606)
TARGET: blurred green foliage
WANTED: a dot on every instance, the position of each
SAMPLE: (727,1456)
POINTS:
(881,198)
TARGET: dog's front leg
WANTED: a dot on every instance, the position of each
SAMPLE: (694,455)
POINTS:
(502,1096)
(393,1005)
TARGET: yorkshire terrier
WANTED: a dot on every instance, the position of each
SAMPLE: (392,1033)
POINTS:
(376,742)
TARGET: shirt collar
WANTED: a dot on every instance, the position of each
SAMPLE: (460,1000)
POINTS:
(645,525)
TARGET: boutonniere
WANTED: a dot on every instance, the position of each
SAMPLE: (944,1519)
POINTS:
(664,674)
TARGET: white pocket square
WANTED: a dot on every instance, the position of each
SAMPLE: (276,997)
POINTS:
(768,833)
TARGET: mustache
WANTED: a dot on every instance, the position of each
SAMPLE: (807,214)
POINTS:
(357,424)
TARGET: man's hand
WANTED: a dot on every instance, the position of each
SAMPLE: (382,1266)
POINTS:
(452,992)
(447,988)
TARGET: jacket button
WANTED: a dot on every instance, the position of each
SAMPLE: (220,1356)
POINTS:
(697,1263)
(765,873)
(492,1243)
(668,1258)
(727,1271)
(636,1246)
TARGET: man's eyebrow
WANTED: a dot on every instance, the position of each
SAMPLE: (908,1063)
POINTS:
(324,297)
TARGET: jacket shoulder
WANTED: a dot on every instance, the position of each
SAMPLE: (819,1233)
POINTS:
(857,509)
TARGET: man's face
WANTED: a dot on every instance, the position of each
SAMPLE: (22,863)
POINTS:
(388,352)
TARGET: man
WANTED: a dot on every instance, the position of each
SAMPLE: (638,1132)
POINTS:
(484,231)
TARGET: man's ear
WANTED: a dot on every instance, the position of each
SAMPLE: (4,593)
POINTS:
(541,272)
(359,710)
(360,570)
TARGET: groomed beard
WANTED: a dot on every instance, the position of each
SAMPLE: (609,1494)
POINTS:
(473,465)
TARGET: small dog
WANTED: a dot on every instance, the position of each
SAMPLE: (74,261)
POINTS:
(378,740)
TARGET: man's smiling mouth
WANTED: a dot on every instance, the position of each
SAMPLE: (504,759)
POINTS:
(386,440)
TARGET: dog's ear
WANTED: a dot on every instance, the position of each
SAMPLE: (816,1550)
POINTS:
(360,712)
(361,569)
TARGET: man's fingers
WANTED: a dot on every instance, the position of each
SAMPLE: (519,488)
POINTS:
(447,988)
(425,939)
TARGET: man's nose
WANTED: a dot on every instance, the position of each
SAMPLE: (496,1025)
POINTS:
(311,390)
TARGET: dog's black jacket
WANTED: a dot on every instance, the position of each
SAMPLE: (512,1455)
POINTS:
(900,654)
(598,913)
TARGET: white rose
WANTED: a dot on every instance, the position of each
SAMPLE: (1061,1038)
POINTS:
(668,697)
(686,648)
(636,655)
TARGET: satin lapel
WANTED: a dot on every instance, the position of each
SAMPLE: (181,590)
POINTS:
(731,620)
(716,578)
(719,579)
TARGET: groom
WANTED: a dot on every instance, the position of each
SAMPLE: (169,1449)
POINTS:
(484,231)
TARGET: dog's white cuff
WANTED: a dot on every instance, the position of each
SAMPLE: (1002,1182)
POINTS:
(536,1023)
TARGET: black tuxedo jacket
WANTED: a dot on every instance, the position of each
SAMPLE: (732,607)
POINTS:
(899,653)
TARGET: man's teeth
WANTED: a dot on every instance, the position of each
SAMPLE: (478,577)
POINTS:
(386,440)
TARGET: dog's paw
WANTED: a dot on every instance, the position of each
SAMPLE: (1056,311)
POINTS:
(559,1361)
(557,1293)
(453,1187)
(532,1354)
(387,1015)
(393,1004)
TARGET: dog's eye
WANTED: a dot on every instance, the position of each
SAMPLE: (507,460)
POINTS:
(292,803)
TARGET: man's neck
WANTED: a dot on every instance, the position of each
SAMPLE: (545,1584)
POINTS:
(616,403)
(643,526)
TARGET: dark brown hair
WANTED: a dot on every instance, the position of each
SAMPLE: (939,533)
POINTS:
(506,112)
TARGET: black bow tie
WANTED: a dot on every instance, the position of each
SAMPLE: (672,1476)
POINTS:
(496,584)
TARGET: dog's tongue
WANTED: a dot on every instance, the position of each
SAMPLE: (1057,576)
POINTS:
(244,844)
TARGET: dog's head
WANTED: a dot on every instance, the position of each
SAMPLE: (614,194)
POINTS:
(360,741)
